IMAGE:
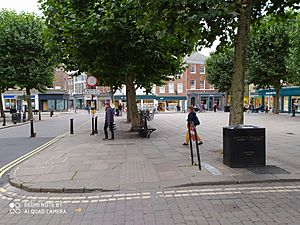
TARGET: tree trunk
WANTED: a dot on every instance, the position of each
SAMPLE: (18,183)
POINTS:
(1,105)
(128,108)
(29,105)
(111,93)
(238,78)
(131,99)
(277,97)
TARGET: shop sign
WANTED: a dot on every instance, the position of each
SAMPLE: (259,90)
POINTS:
(271,93)
(92,91)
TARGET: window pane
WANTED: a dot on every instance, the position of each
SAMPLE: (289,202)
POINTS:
(180,88)
(162,89)
(193,84)
(193,69)
(51,104)
(60,105)
(202,84)
(202,69)
(171,88)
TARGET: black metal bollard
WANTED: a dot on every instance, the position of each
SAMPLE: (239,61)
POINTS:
(4,120)
(197,148)
(71,126)
(293,112)
(40,116)
(14,118)
(191,144)
(96,128)
(32,134)
(24,117)
(93,130)
(51,112)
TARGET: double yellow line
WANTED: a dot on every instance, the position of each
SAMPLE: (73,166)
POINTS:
(17,161)
(10,165)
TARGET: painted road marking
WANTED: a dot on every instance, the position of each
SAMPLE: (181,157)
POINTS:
(22,158)
(12,164)
(214,171)
(131,196)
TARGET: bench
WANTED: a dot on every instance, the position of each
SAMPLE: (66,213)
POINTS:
(144,130)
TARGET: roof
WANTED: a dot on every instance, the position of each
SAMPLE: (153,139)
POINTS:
(196,58)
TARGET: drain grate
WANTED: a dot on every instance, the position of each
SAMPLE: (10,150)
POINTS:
(228,207)
(270,169)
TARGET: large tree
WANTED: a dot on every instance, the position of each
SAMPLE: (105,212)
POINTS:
(124,33)
(29,62)
(268,50)
(127,42)
(6,63)
(219,69)
(293,59)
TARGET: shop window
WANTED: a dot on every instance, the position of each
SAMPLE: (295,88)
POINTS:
(60,105)
(51,104)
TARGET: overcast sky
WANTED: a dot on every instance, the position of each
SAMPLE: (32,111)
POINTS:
(20,5)
(32,6)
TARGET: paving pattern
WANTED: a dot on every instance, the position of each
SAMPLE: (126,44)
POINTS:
(276,203)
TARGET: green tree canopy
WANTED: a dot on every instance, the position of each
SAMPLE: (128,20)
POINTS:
(7,70)
(28,61)
(122,42)
(293,59)
(268,50)
(219,69)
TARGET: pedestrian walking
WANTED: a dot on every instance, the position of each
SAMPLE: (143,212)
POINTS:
(109,121)
(192,118)
(215,107)
(120,109)
(178,108)
(267,109)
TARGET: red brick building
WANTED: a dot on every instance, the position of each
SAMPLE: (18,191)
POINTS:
(190,88)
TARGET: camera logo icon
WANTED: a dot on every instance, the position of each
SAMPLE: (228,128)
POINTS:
(15,208)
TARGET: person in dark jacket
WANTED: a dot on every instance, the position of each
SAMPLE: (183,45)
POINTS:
(109,121)
(192,119)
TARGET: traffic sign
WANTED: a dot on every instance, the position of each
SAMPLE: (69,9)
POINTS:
(91,80)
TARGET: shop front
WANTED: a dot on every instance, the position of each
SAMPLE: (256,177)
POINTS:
(289,99)
(53,101)
(18,101)
(160,103)
(77,100)
(206,101)
(170,103)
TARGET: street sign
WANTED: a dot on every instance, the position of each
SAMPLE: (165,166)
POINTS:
(91,80)
(92,91)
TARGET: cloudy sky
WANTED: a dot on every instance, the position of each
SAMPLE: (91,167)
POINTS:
(32,6)
(20,5)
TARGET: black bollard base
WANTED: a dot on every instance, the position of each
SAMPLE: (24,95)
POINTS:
(71,126)
(32,133)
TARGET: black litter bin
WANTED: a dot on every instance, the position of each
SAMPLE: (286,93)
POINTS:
(11,111)
(227,108)
(16,117)
(244,146)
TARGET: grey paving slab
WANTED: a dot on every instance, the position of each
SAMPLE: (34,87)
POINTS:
(83,161)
